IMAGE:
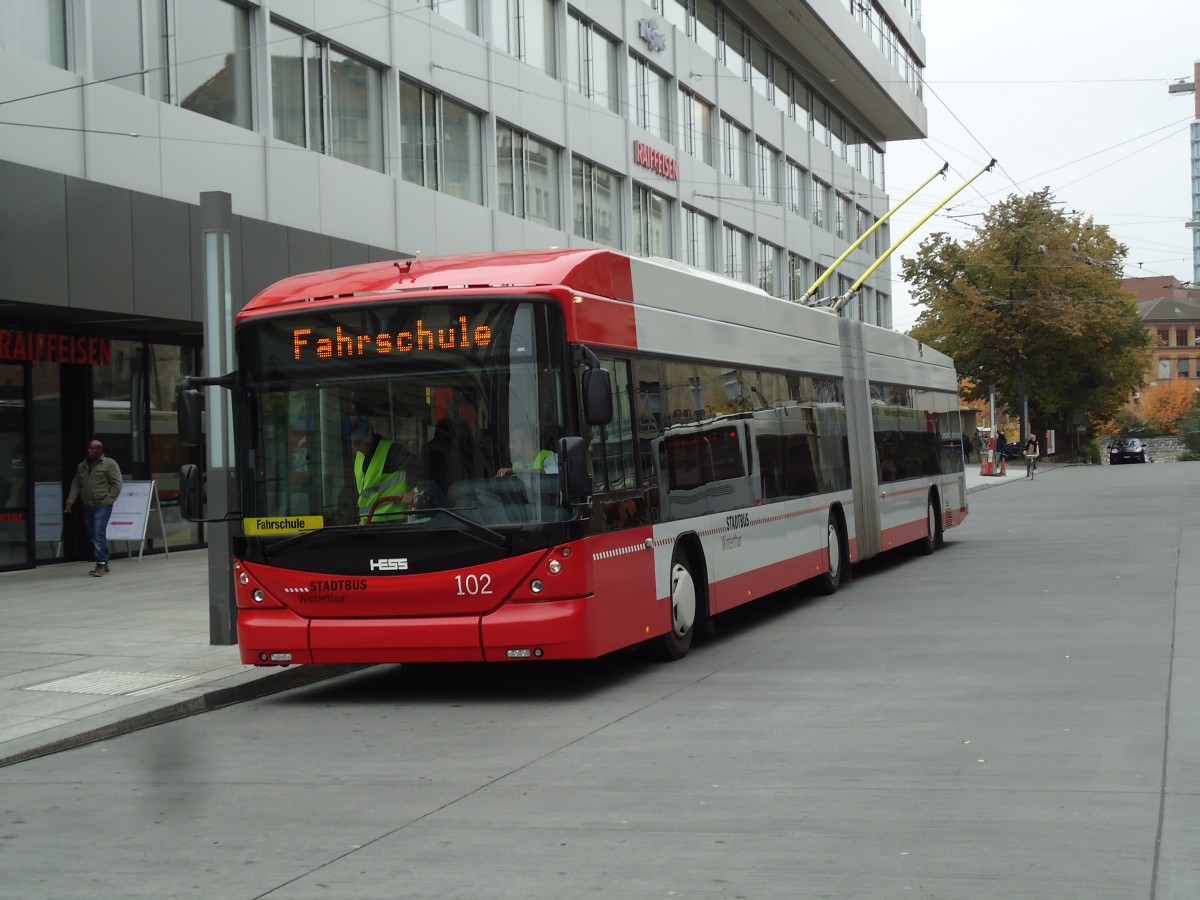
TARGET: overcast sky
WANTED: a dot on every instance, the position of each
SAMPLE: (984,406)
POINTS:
(1066,94)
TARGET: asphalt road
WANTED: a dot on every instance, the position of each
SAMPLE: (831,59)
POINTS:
(1013,717)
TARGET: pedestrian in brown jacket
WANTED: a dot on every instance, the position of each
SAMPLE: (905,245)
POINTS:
(97,485)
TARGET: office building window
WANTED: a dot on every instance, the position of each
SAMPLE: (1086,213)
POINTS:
(820,120)
(854,148)
(203,64)
(441,144)
(1181,337)
(117,45)
(695,125)
(768,268)
(883,310)
(704,25)
(298,78)
(652,218)
(649,97)
(781,88)
(802,105)
(355,111)
(837,134)
(767,171)
(819,202)
(737,243)
(700,236)
(325,100)
(676,12)
(797,277)
(35,29)
(527,173)
(842,217)
(733,44)
(734,148)
(596,202)
(211,74)
(760,67)
(1164,337)
(797,187)
(464,13)
(525,29)
(592,63)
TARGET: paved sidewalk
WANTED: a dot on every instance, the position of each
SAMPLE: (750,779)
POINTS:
(87,658)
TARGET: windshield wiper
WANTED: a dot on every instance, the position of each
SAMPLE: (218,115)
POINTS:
(477,530)
(474,529)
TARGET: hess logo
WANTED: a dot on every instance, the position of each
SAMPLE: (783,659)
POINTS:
(389,565)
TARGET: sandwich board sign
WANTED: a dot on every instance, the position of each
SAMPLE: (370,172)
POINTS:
(131,514)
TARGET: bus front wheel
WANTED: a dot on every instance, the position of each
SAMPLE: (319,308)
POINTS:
(678,640)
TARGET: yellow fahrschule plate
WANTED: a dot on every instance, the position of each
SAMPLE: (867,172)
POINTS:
(282,524)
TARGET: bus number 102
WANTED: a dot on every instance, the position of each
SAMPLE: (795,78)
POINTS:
(473,584)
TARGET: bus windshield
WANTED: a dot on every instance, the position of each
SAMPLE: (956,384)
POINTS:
(393,414)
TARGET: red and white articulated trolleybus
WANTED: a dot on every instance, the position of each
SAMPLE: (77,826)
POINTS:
(580,451)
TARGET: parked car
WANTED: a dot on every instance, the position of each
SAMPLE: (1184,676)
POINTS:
(1125,450)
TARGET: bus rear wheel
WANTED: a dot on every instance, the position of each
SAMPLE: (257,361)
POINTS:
(829,581)
(929,543)
(684,592)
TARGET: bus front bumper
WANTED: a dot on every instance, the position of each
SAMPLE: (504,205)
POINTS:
(555,629)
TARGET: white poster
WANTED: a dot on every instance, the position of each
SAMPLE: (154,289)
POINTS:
(130,512)
(47,511)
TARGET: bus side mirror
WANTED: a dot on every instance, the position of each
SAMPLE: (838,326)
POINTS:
(597,397)
(190,501)
(573,469)
(187,416)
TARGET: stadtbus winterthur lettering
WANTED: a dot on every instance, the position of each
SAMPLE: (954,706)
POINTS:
(346,343)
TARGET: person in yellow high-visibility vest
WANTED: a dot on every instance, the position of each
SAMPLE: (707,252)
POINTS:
(543,462)
(380,475)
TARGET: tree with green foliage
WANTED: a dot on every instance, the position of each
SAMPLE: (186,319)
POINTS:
(1189,428)
(1033,305)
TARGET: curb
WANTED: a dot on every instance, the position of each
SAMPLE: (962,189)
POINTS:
(215,698)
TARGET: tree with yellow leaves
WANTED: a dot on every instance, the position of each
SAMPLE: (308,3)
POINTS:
(1166,402)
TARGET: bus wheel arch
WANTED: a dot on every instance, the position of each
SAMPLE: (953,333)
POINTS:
(838,550)
(688,597)
(933,524)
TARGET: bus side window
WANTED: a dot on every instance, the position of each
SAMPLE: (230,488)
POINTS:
(648,402)
(616,499)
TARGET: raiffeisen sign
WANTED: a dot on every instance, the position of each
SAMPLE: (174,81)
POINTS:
(655,160)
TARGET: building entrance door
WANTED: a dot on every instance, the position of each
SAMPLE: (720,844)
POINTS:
(16,513)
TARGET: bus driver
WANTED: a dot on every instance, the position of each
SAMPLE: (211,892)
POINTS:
(380,474)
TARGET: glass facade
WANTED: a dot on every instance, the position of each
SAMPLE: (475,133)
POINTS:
(123,394)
